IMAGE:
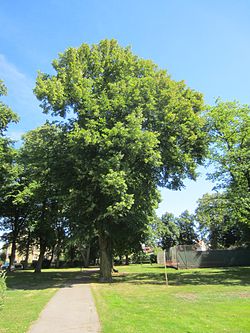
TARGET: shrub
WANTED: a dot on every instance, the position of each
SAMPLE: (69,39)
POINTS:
(140,258)
(3,256)
(153,258)
(2,288)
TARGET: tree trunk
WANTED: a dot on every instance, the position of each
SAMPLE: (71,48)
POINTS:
(105,245)
(52,255)
(126,260)
(58,254)
(13,253)
(85,256)
(27,252)
(41,257)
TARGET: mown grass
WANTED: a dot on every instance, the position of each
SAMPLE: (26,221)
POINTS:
(26,296)
(199,300)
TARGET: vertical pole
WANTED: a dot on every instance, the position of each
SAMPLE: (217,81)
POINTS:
(165,265)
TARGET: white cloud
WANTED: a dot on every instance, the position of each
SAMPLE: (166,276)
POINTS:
(8,71)
(20,98)
(18,84)
(16,135)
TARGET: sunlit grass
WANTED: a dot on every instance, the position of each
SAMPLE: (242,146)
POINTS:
(200,300)
(26,296)
(138,301)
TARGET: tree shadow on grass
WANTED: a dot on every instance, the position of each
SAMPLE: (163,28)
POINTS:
(237,276)
(28,280)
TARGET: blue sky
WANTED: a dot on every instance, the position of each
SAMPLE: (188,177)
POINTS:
(205,43)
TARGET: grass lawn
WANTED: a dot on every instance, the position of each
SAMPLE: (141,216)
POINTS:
(196,301)
(26,296)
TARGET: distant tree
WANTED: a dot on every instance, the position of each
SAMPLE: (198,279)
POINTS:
(178,230)
(229,131)
(186,225)
(133,129)
(218,223)
(171,232)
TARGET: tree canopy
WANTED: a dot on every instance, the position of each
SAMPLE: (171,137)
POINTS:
(218,224)
(229,131)
(179,230)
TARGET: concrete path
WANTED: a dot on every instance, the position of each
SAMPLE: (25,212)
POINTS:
(71,310)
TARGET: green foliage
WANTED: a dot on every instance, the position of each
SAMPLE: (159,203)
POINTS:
(171,232)
(43,158)
(3,256)
(107,87)
(2,289)
(7,153)
(6,114)
(186,225)
(229,130)
(178,230)
(218,222)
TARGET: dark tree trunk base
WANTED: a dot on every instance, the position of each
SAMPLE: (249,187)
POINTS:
(106,264)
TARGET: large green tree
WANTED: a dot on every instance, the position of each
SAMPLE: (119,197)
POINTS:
(132,128)
(229,131)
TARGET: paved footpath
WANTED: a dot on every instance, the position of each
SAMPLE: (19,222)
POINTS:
(71,310)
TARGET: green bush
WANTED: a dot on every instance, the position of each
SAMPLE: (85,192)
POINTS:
(2,288)
(140,258)
(153,258)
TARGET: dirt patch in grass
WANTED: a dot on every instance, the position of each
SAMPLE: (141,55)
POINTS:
(238,294)
(187,296)
(244,295)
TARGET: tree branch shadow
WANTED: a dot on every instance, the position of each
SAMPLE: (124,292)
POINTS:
(27,280)
(237,276)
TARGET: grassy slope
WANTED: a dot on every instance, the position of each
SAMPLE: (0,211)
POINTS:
(207,300)
(26,296)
